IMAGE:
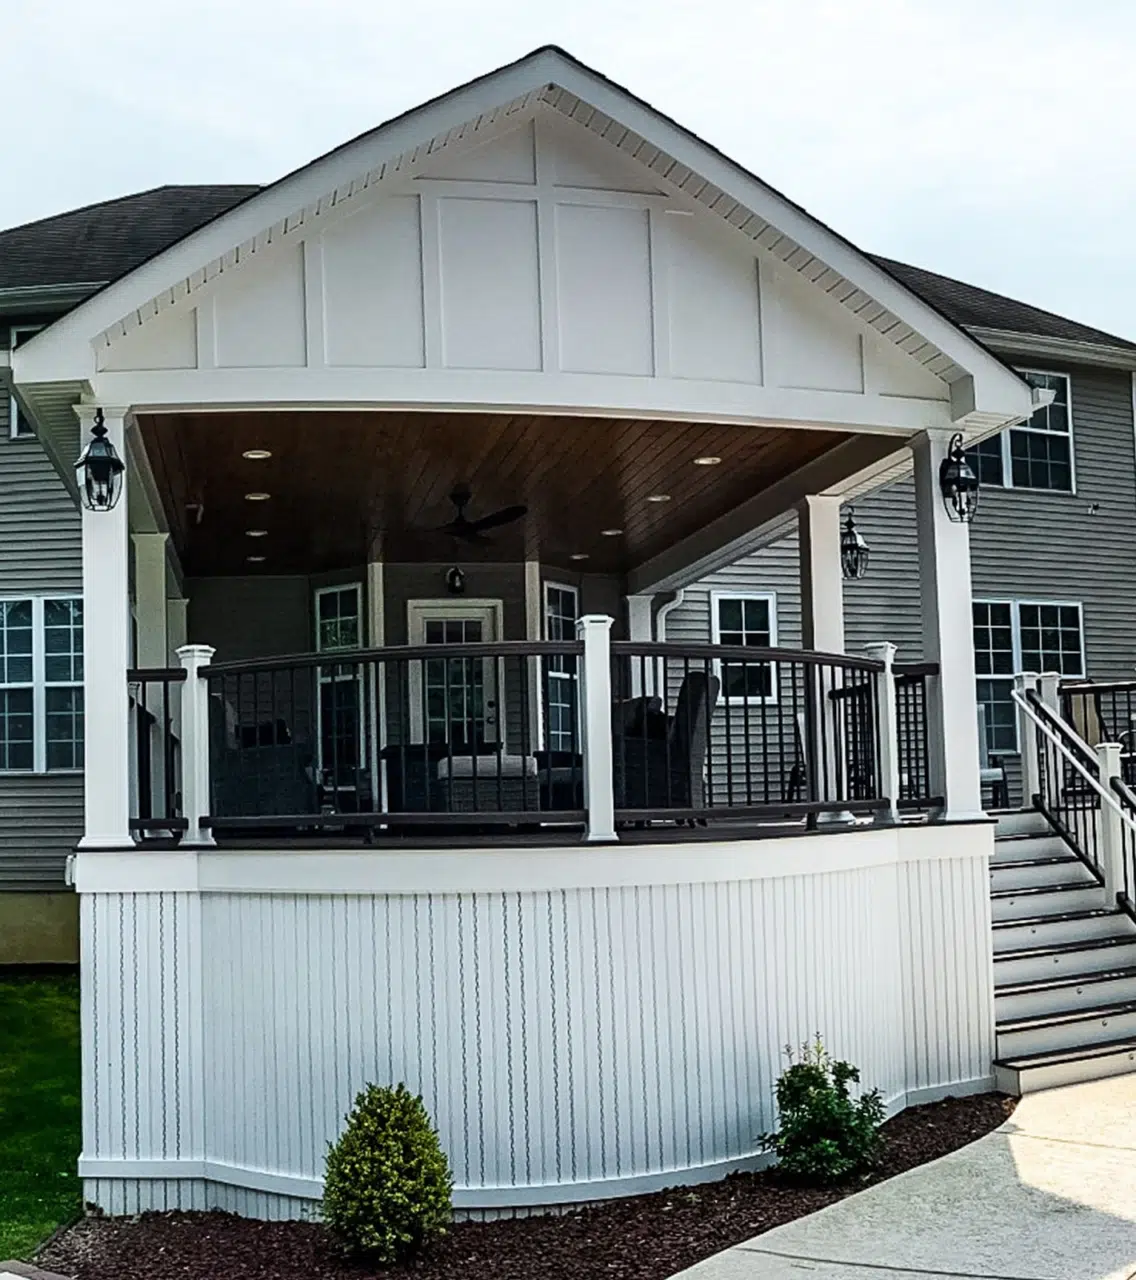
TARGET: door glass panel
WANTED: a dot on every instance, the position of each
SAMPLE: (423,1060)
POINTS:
(455,687)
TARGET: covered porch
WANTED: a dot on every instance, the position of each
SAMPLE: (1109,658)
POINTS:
(384,783)
(295,580)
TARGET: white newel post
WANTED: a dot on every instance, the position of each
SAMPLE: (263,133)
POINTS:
(106,645)
(1112,826)
(884,651)
(1025,683)
(948,637)
(595,726)
(822,625)
(1049,691)
(195,742)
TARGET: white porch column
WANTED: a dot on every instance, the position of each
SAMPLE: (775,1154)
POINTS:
(177,628)
(948,637)
(150,608)
(595,727)
(640,627)
(106,645)
(822,582)
(195,742)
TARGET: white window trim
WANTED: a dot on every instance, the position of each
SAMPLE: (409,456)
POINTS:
(1015,604)
(1007,460)
(770,597)
(39,686)
(15,331)
(547,586)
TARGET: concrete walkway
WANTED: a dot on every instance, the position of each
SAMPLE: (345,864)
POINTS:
(1051,1195)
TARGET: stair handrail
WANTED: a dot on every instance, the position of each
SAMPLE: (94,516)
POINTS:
(1027,705)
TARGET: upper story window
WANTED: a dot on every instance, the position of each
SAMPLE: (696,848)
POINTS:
(41,684)
(748,619)
(18,422)
(1039,453)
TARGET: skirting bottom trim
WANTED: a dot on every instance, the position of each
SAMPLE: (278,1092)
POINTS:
(498,1197)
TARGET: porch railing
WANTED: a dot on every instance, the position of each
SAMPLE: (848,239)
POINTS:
(156,806)
(402,736)
(585,733)
(1104,711)
(758,733)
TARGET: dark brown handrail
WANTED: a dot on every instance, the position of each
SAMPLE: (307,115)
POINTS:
(401,653)
(914,670)
(154,675)
(741,653)
(1097,686)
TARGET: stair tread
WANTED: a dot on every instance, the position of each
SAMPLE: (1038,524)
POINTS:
(1076,1053)
(1005,864)
(1009,837)
(1039,890)
(1064,948)
(1095,913)
(1087,979)
(1037,1022)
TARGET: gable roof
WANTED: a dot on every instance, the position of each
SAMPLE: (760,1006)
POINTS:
(98,243)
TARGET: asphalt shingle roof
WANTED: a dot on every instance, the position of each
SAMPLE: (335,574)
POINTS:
(104,241)
(101,242)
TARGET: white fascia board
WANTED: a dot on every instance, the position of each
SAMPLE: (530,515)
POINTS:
(64,350)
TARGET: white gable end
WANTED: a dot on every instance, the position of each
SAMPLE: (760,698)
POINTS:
(503,260)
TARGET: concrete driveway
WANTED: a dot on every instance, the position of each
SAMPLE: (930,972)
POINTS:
(1051,1195)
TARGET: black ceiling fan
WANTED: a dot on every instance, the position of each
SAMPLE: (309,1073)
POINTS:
(474,530)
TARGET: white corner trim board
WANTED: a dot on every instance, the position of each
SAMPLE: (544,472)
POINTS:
(512,869)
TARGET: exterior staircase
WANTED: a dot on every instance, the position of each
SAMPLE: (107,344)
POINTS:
(1064,964)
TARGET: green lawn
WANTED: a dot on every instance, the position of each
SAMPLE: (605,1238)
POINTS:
(39,1108)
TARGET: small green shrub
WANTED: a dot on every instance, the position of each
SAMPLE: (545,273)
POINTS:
(825,1135)
(387,1183)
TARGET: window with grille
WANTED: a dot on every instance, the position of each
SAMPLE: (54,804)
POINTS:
(41,684)
(1021,635)
(1039,453)
(561,609)
(748,620)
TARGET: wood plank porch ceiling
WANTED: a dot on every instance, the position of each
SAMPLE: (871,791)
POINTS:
(339,481)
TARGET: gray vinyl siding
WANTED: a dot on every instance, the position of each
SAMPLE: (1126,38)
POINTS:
(246,618)
(41,815)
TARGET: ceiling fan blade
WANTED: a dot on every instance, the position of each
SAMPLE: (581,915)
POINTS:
(496,518)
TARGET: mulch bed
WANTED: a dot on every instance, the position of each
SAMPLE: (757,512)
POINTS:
(645,1238)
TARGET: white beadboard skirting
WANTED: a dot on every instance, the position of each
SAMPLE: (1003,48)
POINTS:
(581,1023)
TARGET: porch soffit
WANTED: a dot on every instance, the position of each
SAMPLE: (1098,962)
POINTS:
(548,81)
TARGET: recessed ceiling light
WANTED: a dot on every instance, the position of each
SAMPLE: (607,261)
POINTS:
(578,555)
(257,455)
(708,461)
(256,533)
(659,497)
(255,559)
(257,497)
(610,533)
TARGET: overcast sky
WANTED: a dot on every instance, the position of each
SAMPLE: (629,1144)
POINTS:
(992,140)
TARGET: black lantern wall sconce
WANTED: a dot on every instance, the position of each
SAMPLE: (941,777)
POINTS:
(100,470)
(854,551)
(958,483)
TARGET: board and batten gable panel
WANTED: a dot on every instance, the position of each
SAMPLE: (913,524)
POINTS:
(490,284)
(576,160)
(372,279)
(259,312)
(603,282)
(168,341)
(510,158)
(812,343)
(889,371)
(713,305)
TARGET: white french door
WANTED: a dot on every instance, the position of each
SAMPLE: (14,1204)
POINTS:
(338,613)
(454,699)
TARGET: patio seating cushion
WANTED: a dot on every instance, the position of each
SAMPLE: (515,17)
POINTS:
(627,716)
(505,766)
